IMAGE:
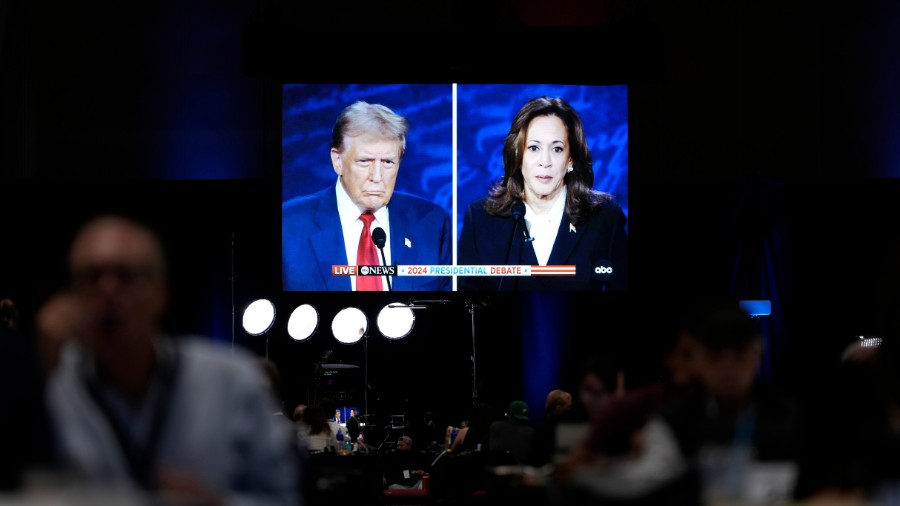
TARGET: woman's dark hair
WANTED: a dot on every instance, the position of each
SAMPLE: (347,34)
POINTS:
(480,419)
(315,417)
(581,198)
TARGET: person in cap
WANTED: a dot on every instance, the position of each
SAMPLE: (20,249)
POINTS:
(514,433)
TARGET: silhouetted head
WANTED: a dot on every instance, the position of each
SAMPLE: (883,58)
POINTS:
(118,276)
(729,347)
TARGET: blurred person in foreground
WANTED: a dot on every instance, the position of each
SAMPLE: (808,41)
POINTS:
(855,442)
(739,435)
(25,434)
(53,327)
(726,438)
(610,463)
(544,210)
(601,381)
(141,413)
(300,424)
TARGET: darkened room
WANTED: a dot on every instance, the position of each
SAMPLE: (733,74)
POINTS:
(760,156)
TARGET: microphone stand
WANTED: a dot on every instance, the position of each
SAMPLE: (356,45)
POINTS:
(366,376)
(525,240)
(384,262)
(512,235)
(471,305)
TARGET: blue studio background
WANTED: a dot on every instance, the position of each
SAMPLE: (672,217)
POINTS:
(310,110)
(486,111)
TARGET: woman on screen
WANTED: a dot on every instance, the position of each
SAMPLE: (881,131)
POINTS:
(544,211)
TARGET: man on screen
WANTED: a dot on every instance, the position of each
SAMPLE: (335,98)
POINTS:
(327,228)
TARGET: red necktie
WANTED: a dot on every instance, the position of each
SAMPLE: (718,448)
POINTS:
(367,254)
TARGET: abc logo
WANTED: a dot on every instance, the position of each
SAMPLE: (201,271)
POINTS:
(364,270)
(603,271)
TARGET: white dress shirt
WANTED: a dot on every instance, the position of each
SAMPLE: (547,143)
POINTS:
(543,229)
(352,228)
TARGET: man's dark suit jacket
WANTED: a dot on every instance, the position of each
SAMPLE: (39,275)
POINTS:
(312,242)
(599,242)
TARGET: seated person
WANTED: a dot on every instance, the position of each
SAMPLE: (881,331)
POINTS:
(405,466)
(475,432)
(319,436)
(513,434)
(727,438)
(557,400)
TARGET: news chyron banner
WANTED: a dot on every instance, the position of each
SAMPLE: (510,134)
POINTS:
(452,270)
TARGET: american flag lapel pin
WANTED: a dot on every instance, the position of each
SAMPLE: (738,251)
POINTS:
(407,242)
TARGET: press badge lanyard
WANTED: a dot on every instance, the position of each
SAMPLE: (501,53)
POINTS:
(141,459)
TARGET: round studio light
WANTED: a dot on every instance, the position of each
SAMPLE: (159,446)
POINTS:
(395,320)
(258,317)
(349,325)
(303,322)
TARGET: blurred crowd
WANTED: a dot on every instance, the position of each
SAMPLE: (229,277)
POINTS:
(100,404)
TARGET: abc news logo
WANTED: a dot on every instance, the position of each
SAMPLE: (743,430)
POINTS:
(376,270)
(603,272)
(363,270)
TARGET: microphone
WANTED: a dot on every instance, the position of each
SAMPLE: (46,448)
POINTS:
(518,212)
(379,237)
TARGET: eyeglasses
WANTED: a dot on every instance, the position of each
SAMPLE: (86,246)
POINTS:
(91,276)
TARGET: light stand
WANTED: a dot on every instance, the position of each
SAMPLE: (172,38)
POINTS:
(258,319)
(317,378)
(366,376)
(472,305)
